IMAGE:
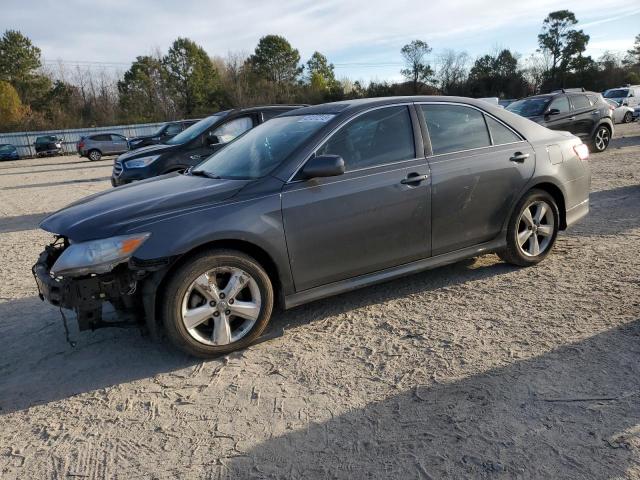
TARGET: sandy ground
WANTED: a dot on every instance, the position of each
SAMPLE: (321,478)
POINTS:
(475,370)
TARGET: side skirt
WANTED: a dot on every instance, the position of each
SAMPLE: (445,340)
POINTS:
(354,283)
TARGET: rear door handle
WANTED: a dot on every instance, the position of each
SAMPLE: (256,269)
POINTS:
(196,157)
(572,118)
(519,157)
(414,178)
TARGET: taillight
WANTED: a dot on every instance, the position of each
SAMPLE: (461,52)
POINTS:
(582,151)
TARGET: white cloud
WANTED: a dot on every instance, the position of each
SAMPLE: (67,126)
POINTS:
(347,31)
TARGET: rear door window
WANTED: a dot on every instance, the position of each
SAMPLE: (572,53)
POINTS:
(453,128)
(101,138)
(580,102)
(378,137)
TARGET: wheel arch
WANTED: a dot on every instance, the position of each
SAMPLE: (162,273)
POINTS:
(558,196)
(152,290)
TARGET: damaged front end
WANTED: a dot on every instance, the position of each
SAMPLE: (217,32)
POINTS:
(83,277)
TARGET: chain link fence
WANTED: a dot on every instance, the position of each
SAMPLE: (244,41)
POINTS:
(25,141)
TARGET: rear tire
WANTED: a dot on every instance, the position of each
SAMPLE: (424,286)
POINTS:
(628,118)
(94,155)
(216,302)
(601,139)
(532,229)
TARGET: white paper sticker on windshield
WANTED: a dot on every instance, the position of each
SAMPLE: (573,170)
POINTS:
(316,118)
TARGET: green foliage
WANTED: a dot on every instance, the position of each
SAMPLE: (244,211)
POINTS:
(144,91)
(562,42)
(192,77)
(276,60)
(416,70)
(634,52)
(19,58)
(497,76)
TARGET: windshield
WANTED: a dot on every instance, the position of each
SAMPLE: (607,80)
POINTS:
(616,93)
(529,107)
(6,148)
(259,151)
(194,130)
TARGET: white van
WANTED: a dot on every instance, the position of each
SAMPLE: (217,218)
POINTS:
(627,95)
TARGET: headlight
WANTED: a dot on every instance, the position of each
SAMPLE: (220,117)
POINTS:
(141,162)
(97,256)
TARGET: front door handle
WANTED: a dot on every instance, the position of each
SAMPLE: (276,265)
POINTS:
(414,178)
(196,157)
(572,118)
(519,157)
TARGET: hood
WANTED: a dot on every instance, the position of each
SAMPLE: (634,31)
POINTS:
(122,209)
(146,151)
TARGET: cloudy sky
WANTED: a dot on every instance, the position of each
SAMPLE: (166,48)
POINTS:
(362,38)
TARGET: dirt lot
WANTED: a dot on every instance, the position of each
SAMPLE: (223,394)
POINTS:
(476,370)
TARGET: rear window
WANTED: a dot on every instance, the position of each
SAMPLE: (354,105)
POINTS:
(453,128)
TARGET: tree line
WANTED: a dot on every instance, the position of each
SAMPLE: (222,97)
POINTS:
(186,82)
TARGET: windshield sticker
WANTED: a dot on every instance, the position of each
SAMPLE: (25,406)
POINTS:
(316,118)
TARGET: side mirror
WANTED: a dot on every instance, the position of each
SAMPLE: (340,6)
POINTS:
(552,111)
(324,166)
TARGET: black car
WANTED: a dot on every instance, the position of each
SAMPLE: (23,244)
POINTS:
(8,152)
(47,145)
(192,145)
(166,132)
(585,114)
(315,202)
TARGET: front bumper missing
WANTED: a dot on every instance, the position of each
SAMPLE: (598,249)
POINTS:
(84,295)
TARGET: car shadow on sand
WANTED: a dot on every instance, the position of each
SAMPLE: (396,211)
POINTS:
(572,412)
(22,222)
(32,335)
(611,212)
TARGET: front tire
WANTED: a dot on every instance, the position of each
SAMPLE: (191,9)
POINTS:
(532,230)
(601,139)
(94,155)
(217,302)
(628,118)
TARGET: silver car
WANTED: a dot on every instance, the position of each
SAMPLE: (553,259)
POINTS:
(95,146)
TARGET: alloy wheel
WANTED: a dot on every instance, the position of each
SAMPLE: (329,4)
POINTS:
(221,306)
(536,227)
(602,139)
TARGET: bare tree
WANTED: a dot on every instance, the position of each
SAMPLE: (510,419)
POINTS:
(452,71)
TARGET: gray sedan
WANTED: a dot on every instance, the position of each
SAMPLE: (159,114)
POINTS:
(318,201)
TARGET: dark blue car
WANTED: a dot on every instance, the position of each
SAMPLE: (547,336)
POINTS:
(8,152)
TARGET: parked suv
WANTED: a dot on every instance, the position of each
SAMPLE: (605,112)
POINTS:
(192,145)
(628,95)
(47,145)
(313,203)
(585,114)
(95,146)
(166,132)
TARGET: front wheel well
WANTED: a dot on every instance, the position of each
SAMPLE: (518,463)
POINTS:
(558,196)
(251,249)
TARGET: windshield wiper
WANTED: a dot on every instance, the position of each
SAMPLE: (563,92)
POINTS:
(202,173)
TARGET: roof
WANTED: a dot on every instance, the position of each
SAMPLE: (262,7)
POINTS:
(350,106)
